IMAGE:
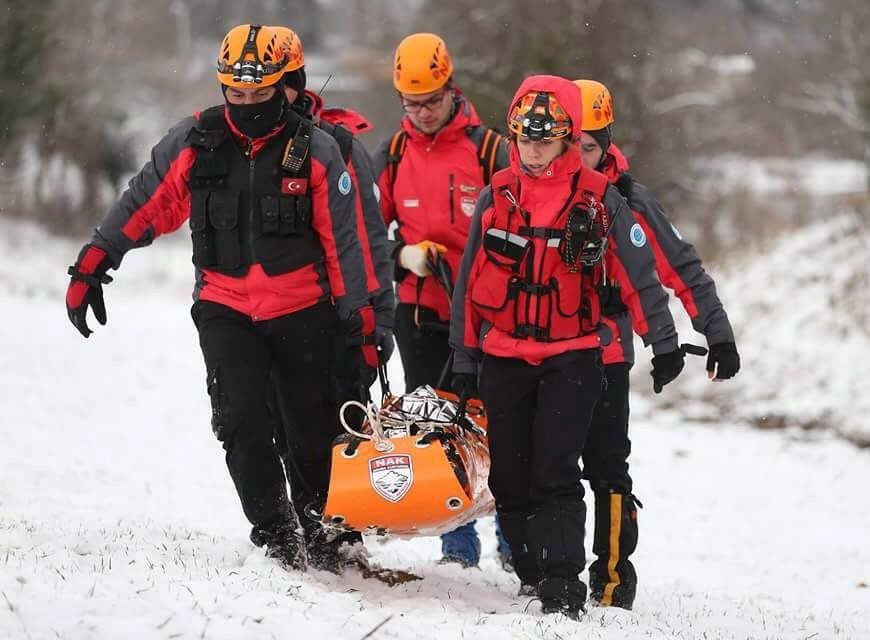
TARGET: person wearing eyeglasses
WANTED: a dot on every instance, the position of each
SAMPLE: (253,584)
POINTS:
(430,174)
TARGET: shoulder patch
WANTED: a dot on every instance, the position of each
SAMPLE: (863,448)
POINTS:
(344,183)
(637,236)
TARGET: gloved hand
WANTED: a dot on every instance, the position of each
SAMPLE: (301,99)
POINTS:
(413,257)
(360,329)
(386,344)
(666,367)
(723,361)
(88,275)
(465,385)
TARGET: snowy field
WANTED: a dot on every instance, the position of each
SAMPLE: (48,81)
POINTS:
(118,518)
(801,312)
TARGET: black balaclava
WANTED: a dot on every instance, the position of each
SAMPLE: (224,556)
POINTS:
(257,120)
(603,138)
(297,80)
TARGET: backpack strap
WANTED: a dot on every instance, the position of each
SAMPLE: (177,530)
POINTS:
(625,184)
(488,152)
(394,155)
(344,137)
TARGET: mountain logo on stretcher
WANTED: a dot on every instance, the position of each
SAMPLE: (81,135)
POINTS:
(391,476)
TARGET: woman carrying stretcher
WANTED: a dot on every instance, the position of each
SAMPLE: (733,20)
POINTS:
(526,312)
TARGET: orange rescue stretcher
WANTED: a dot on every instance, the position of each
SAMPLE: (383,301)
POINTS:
(417,466)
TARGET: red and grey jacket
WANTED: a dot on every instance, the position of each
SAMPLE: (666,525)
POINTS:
(430,190)
(560,305)
(264,244)
(344,125)
(678,265)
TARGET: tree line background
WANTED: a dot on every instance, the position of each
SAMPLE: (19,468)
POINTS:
(87,87)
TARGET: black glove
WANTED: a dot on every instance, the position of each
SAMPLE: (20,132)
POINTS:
(386,344)
(87,277)
(726,357)
(666,367)
(465,385)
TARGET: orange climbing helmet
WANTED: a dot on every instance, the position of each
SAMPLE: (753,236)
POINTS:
(597,105)
(422,64)
(538,116)
(290,43)
(250,56)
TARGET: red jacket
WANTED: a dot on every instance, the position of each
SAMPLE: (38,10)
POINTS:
(436,188)
(543,197)
(157,201)
(678,266)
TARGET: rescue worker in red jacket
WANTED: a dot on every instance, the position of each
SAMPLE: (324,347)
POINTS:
(526,308)
(342,125)
(278,269)
(430,174)
(612,576)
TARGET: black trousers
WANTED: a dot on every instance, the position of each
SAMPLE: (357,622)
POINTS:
(612,576)
(605,457)
(297,352)
(539,418)
(347,384)
(424,349)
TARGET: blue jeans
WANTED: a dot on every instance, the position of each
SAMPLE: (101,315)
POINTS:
(462,545)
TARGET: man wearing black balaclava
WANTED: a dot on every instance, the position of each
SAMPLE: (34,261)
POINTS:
(279,272)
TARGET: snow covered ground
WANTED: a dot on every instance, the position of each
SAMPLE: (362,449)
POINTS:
(118,519)
(801,312)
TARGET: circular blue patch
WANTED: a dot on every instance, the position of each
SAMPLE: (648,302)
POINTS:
(344,183)
(638,237)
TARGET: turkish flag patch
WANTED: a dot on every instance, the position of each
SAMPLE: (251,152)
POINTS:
(294,186)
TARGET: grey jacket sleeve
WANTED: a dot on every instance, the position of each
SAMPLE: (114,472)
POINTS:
(156,198)
(680,269)
(334,208)
(642,292)
(383,299)
(463,330)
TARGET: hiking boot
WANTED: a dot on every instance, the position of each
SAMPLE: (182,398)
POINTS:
(559,595)
(331,551)
(528,590)
(284,543)
(454,558)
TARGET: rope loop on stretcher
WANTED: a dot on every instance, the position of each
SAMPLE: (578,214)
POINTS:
(371,412)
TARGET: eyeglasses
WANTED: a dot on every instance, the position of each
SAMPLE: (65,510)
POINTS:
(430,104)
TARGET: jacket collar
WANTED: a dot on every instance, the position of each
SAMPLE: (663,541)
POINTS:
(615,163)
(256,143)
(562,168)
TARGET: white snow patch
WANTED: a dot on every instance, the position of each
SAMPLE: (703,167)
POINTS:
(801,314)
(818,176)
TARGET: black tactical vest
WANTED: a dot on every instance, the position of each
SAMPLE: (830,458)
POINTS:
(239,215)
